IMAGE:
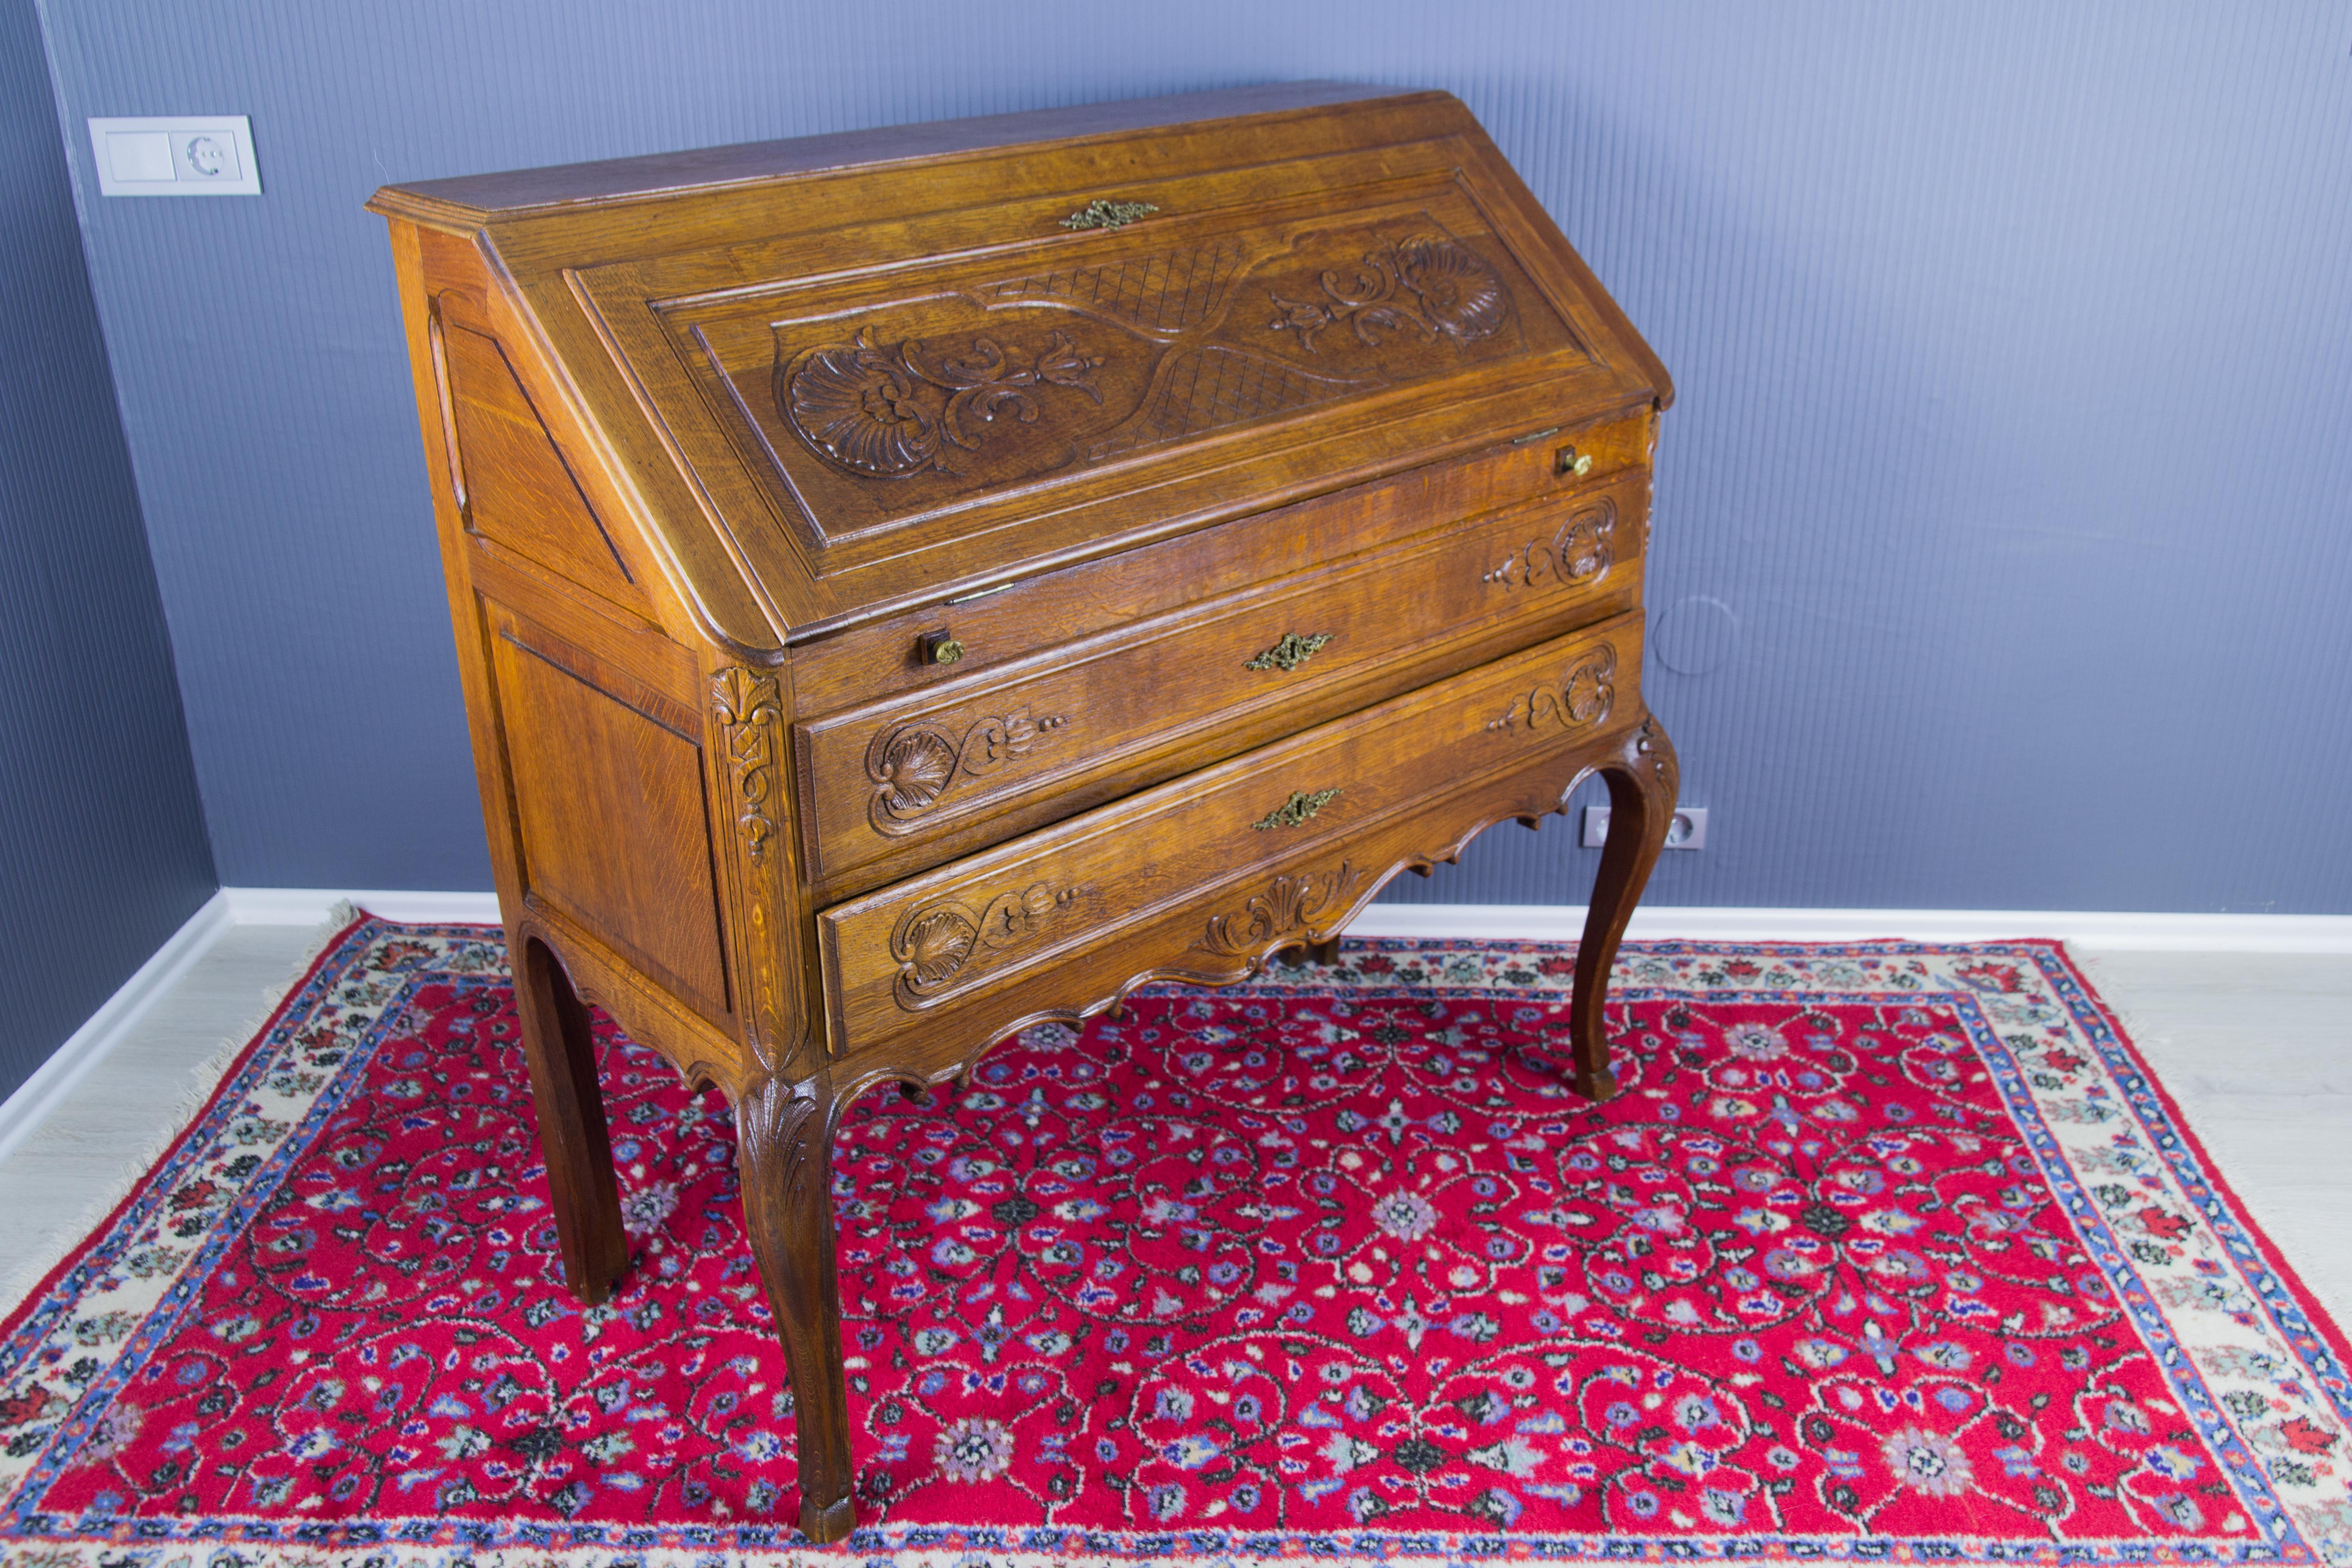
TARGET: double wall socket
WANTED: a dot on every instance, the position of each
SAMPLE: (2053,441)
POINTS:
(181,155)
(1687,831)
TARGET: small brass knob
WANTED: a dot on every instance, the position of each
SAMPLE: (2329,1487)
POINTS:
(1572,462)
(938,647)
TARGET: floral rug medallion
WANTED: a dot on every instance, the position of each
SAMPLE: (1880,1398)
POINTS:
(1883,1251)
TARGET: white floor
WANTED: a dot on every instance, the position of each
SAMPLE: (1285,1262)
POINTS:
(2256,1048)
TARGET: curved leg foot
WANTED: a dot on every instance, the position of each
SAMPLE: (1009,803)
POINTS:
(562,1051)
(786,1137)
(1643,781)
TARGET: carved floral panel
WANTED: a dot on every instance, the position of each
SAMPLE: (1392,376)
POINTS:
(873,402)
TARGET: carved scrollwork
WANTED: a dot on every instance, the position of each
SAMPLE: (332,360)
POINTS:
(935,942)
(1432,282)
(748,713)
(1288,905)
(1579,699)
(1581,552)
(890,413)
(1651,743)
(912,766)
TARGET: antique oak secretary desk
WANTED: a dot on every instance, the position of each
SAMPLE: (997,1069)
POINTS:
(916,584)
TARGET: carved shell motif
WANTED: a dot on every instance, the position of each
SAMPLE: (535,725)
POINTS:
(934,946)
(1431,282)
(888,413)
(913,770)
(859,405)
(936,942)
(1459,292)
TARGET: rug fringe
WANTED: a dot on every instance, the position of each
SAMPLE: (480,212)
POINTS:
(202,1078)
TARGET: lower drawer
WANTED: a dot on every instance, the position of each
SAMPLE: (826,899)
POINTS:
(968,935)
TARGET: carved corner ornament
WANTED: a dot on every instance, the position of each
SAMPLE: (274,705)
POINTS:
(1579,699)
(1580,553)
(888,413)
(936,942)
(1651,741)
(749,712)
(1287,906)
(1432,283)
(913,765)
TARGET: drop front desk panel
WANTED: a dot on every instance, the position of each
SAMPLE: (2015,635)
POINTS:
(914,584)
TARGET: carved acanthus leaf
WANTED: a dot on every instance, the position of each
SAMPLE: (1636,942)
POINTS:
(748,712)
(1287,906)
(888,413)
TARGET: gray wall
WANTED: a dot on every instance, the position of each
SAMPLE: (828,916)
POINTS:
(103,849)
(2011,336)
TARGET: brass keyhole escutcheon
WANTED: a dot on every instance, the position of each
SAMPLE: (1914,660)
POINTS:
(938,647)
(1291,652)
(1573,463)
(1104,214)
(1295,811)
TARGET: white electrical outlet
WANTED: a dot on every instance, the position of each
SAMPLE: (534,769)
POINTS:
(1687,831)
(181,155)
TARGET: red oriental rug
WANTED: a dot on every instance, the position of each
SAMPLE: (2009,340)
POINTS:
(1885,1252)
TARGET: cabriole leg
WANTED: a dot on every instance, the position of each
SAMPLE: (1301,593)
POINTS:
(562,1051)
(785,1138)
(1643,781)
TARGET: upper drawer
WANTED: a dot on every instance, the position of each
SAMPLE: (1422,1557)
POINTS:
(1040,738)
(889,409)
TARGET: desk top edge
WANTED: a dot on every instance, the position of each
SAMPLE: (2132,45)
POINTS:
(482,198)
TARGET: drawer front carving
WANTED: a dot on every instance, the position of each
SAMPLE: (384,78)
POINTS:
(1212,838)
(1581,552)
(885,773)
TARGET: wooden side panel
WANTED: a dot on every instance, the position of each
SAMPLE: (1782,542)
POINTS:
(513,487)
(609,809)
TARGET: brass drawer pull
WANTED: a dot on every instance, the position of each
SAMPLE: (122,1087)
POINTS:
(1101,214)
(1296,810)
(938,647)
(1291,652)
(1575,463)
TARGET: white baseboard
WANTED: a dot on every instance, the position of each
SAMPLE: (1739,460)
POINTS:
(2121,932)
(310,906)
(86,1047)
(1551,923)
